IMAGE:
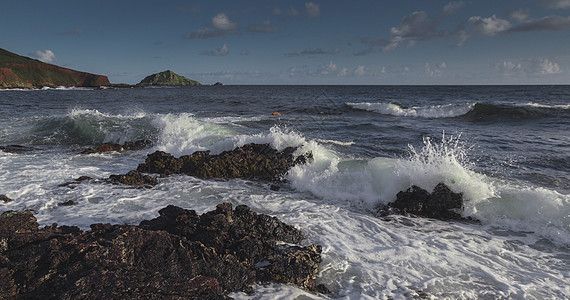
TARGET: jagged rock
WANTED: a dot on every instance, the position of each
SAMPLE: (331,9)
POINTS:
(441,204)
(134,178)
(251,161)
(176,255)
(5,198)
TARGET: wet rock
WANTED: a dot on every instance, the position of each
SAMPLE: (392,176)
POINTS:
(177,255)
(135,178)
(252,161)
(441,204)
(5,198)
(16,148)
(138,145)
(67,203)
(110,147)
(76,181)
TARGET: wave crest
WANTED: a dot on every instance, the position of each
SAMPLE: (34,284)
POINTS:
(432,111)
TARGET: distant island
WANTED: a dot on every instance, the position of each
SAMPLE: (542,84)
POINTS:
(166,78)
(20,72)
(23,72)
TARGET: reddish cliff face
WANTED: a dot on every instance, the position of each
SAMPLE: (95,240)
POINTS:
(22,72)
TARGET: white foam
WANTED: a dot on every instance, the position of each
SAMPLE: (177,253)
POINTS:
(338,143)
(538,105)
(434,111)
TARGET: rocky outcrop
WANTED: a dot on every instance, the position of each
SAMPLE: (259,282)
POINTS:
(166,78)
(251,161)
(178,255)
(23,72)
(441,204)
(134,178)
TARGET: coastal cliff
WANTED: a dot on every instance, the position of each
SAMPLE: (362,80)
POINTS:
(23,72)
(167,78)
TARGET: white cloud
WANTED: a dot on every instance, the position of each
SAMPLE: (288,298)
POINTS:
(413,28)
(221,25)
(557,4)
(222,51)
(328,69)
(244,52)
(537,66)
(488,26)
(360,71)
(453,6)
(545,67)
(222,22)
(313,9)
(436,70)
(47,56)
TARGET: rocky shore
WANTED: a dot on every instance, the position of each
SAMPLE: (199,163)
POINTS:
(179,254)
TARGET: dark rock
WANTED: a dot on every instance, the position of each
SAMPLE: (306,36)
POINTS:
(67,203)
(16,148)
(5,198)
(76,181)
(252,161)
(138,145)
(176,255)
(134,178)
(109,147)
(441,204)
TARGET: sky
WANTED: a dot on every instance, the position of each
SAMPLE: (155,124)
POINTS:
(368,42)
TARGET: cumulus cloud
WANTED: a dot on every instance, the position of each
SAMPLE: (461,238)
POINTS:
(47,56)
(435,70)
(556,4)
(222,51)
(538,66)
(244,52)
(360,71)
(328,70)
(222,22)
(221,25)
(313,10)
(452,7)
(413,28)
(265,27)
(488,26)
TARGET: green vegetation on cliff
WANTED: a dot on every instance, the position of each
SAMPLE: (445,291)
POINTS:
(23,72)
(167,78)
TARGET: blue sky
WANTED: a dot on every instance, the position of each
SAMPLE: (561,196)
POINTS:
(299,42)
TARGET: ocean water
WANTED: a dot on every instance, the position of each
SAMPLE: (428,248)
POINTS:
(506,148)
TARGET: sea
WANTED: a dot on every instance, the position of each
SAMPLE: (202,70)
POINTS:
(506,148)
